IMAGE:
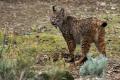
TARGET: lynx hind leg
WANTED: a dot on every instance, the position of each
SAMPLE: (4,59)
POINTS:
(100,41)
(85,46)
(100,44)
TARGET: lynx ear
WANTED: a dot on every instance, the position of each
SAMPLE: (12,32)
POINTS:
(53,7)
(62,11)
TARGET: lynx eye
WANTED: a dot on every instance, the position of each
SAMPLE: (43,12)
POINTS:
(54,18)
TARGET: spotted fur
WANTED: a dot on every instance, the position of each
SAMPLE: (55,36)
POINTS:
(83,31)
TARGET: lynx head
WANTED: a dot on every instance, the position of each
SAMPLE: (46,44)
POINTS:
(57,17)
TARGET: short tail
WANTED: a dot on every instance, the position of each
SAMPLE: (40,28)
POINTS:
(104,24)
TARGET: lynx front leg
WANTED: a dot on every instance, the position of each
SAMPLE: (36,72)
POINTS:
(71,46)
(85,46)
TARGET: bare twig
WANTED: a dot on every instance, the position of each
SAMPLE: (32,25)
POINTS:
(22,75)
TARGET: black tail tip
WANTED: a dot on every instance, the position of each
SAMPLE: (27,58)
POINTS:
(104,24)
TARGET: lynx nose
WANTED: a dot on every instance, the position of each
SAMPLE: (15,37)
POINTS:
(53,23)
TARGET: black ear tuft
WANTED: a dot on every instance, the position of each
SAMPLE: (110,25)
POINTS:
(104,24)
(53,7)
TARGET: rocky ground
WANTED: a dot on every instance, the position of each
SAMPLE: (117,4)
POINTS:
(113,71)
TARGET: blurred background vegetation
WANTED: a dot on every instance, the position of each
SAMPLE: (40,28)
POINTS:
(29,43)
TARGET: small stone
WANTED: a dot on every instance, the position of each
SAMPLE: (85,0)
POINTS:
(102,3)
(113,8)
